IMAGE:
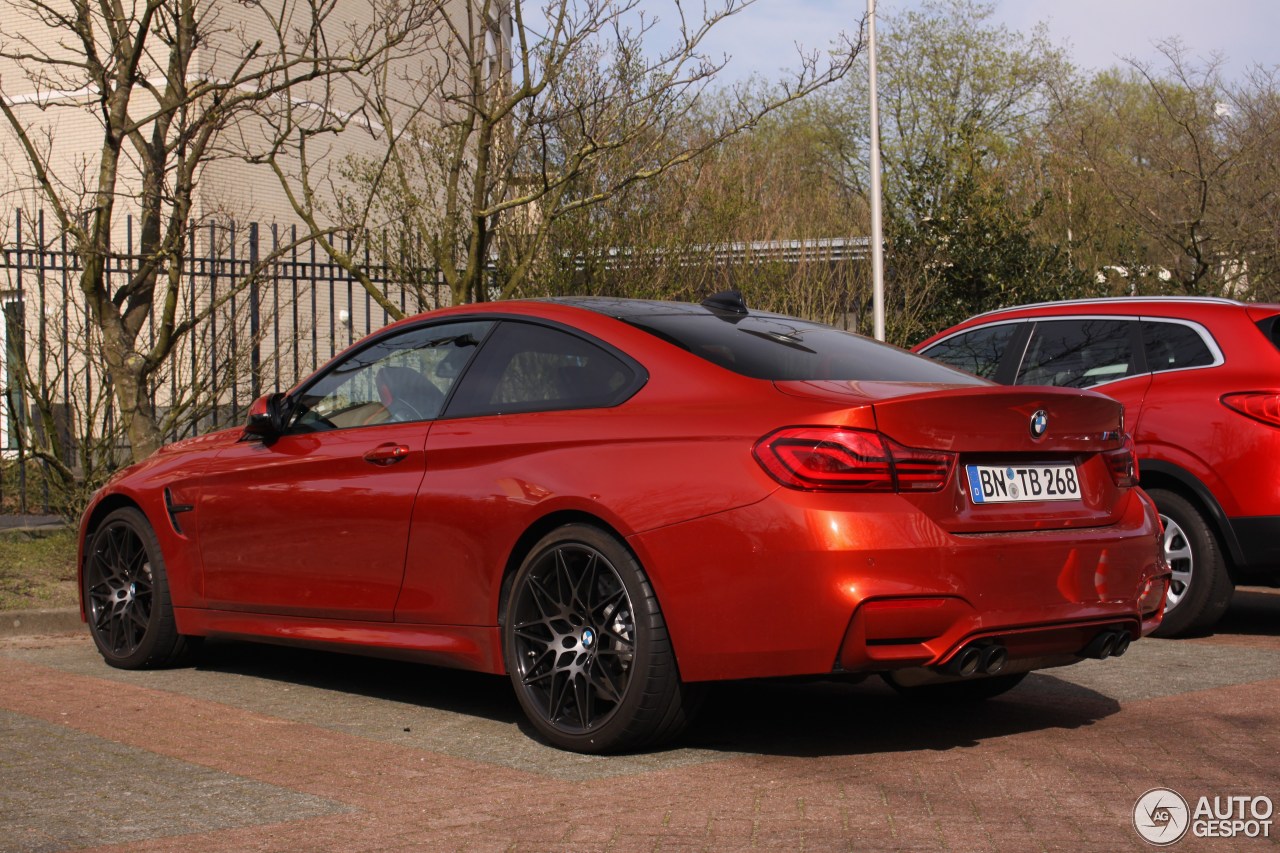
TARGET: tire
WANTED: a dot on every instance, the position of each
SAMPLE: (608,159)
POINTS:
(1201,587)
(587,649)
(959,692)
(126,595)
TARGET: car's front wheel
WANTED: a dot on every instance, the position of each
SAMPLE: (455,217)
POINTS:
(1200,588)
(587,648)
(126,595)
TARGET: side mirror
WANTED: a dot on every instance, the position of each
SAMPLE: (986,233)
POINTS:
(268,416)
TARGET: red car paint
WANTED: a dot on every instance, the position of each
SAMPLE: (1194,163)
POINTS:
(403,537)
(1207,428)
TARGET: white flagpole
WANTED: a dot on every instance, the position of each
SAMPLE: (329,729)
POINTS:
(877,221)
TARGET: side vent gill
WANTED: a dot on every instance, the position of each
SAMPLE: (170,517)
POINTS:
(174,510)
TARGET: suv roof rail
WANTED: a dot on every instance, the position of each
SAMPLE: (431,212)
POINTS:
(1111,300)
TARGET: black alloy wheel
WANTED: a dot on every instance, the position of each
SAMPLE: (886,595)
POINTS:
(587,648)
(126,595)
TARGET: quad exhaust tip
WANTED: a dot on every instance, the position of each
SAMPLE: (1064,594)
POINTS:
(977,658)
(1107,644)
(989,658)
(994,657)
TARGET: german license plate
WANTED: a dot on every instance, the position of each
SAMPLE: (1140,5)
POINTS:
(994,484)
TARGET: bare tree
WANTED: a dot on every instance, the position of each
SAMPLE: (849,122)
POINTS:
(513,124)
(964,101)
(1252,192)
(166,87)
(1184,158)
(761,213)
(60,407)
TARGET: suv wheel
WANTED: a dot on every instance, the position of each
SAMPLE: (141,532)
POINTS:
(1201,588)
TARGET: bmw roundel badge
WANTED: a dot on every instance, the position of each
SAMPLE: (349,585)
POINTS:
(1039,424)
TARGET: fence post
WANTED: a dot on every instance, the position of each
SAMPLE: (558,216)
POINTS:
(18,349)
(255,346)
(42,361)
(233,278)
(275,307)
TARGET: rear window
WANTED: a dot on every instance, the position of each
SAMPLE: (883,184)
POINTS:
(526,367)
(1173,346)
(785,349)
(1270,326)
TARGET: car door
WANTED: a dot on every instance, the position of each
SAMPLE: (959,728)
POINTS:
(1103,353)
(316,521)
(1172,348)
(508,443)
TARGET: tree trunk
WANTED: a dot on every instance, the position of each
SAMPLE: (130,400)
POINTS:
(129,380)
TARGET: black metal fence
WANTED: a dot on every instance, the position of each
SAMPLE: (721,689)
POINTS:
(250,333)
(265,307)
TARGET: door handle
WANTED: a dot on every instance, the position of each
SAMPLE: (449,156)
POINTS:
(387,454)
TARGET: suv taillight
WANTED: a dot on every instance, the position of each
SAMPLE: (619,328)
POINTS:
(1262,406)
(850,460)
(1123,464)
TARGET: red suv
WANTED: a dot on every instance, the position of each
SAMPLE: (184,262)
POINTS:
(1200,381)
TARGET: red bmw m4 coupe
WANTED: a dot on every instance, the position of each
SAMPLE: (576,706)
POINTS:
(614,502)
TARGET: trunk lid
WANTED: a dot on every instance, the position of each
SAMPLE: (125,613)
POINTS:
(998,483)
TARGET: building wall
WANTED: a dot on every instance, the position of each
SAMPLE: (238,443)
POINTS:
(62,118)
(63,121)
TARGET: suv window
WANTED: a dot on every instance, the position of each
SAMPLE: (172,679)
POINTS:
(1271,328)
(1172,346)
(1078,353)
(782,348)
(525,367)
(978,351)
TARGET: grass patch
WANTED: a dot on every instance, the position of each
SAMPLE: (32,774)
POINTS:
(37,569)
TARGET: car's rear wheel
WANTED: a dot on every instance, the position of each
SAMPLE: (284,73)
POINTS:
(126,595)
(1201,588)
(587,648)
(968,690)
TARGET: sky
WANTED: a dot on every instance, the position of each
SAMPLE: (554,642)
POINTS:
(1096,33)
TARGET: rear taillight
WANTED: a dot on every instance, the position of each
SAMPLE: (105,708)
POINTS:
(1123,464)
(850,460)
(1260,405)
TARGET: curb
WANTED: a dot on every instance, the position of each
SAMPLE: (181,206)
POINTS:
(32,523)
(22,623)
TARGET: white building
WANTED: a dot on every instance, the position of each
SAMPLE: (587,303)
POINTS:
(236,54)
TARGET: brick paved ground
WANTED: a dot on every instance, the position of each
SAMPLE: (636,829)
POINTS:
(262,748)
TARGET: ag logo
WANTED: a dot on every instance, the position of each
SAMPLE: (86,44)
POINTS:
(1161,816)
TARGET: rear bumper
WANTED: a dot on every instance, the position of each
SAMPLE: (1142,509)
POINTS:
(875,643)
(806,584)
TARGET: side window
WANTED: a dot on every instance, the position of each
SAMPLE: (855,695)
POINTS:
(526,367)
(978,351)
(1172,346)
(400,378)
(1078,353)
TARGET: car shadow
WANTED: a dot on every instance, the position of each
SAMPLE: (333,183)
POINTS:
(451,690)
(1253,610)
(785,717)
(833,718)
